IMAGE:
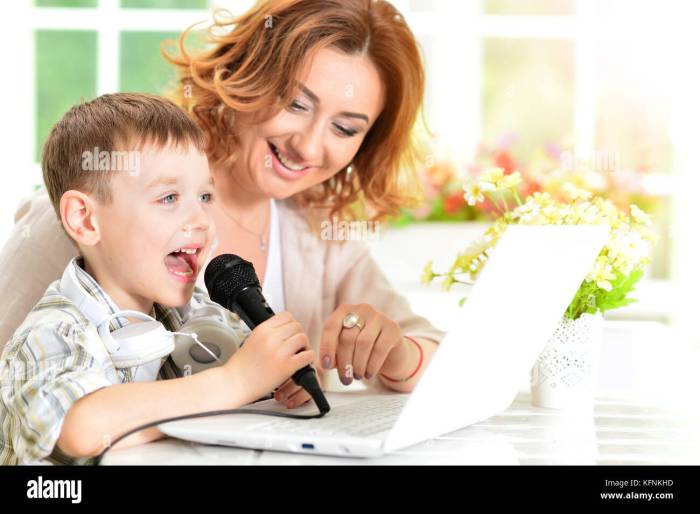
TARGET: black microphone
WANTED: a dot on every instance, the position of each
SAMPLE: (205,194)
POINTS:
(233,284)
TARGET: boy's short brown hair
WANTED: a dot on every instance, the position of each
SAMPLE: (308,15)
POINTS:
(115,124)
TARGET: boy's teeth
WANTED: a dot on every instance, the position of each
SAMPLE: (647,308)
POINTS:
(289,164)
(191,251)
(180,265)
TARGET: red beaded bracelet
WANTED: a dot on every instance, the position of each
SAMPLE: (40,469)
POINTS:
(420,363)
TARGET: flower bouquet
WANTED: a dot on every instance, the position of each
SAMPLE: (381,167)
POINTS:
(616,271)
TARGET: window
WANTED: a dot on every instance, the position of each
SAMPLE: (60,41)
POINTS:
(66,62)
(583,73)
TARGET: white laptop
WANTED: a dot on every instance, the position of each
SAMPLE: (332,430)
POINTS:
(479,367)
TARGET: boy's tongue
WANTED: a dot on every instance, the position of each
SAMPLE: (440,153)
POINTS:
(177,263)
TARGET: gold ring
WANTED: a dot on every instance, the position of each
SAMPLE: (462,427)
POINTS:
(352,320)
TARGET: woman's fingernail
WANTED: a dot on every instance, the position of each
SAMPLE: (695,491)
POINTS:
(346,380)
(326,362)
(368,375)
(356,377)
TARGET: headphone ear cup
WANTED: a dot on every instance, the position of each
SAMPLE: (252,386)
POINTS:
(216,335)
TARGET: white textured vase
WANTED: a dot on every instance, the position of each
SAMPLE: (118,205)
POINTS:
(566,372)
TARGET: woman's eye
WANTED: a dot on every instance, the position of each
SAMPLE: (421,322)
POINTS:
(344,131)
(297,106)
(207,197)
(169,198)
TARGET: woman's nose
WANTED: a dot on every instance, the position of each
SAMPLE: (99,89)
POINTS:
(308,144)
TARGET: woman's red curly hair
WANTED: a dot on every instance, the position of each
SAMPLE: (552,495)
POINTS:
(250,64)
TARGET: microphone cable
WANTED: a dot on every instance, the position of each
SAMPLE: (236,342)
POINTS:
(239,276)
(323,410)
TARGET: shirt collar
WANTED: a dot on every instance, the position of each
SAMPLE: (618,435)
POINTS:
(166,315)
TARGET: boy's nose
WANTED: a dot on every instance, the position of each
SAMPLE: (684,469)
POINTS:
(199,219)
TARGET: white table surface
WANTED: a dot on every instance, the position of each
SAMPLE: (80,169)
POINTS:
(645,413)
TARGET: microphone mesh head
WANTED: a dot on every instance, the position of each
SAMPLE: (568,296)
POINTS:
(227,274)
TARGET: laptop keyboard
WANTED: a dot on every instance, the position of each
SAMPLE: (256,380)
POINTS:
(367,417)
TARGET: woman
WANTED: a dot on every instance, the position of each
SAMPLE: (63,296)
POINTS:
(308,107)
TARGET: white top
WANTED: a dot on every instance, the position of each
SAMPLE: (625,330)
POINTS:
(273,285)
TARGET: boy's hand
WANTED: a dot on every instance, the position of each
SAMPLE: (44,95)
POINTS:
(292,395)
(271,354)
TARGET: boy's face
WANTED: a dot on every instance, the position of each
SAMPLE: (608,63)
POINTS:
(155,214)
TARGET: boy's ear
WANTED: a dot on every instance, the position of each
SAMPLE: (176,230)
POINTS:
(79,217)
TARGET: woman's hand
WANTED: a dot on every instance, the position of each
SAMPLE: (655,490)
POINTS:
(361,352)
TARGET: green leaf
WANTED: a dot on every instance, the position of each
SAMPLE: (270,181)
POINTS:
(617,297)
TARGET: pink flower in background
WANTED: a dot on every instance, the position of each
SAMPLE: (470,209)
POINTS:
(553,151)
(543,169)
(422,212)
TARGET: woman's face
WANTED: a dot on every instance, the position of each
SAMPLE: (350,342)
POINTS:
(318,134)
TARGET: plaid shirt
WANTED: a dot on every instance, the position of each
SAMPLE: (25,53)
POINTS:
(56,357)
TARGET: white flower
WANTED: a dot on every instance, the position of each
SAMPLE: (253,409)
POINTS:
(602,273)
(553,214)
(428,273)
(511,181)
(492,176)
(627,249)
(473,193)
(487,186)
(477,246)
(541,199)
(575,193)
(639,216)
(529,212)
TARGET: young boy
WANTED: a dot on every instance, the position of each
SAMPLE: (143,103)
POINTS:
(129,180)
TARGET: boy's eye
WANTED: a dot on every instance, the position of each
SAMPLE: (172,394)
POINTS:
(169,198)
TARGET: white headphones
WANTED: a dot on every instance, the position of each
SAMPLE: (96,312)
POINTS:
(143,345)
(219,341)
(136,343)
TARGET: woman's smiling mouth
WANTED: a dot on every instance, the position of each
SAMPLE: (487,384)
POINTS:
(285,167)
(288,163)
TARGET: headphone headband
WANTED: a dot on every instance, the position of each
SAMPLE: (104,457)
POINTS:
(131,345)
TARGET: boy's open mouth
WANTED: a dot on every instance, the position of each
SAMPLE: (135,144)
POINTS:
(183,261)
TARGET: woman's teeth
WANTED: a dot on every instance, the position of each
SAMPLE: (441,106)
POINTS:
(191,251)
(286,162)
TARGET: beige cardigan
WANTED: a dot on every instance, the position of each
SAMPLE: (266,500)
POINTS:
(318,275)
